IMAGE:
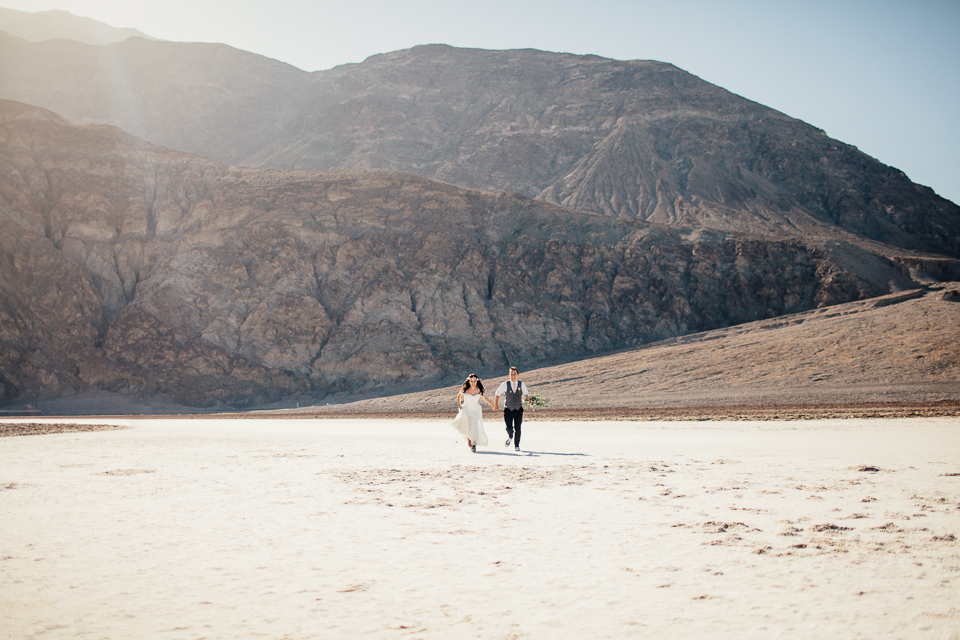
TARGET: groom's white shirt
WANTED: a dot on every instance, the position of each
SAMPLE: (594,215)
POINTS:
(502,389)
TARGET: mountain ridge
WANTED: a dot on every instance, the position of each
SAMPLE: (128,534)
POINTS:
(639,139)
(58,24)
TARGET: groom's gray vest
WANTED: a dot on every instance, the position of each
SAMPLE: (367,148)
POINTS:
(513,400)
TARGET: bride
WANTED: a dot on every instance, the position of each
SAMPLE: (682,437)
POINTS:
(469,420)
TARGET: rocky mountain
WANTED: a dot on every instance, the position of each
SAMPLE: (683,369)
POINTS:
(142,270)
(61,25)
(630,139)
(639,139)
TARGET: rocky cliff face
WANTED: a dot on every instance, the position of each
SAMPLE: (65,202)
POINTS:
(145,271)
(636,139)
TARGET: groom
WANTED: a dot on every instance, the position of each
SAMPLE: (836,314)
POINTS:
(513,392)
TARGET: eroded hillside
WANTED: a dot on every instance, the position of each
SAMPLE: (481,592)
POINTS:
(141,270)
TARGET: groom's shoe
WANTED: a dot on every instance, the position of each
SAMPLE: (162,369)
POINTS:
(516,448)
(507,443)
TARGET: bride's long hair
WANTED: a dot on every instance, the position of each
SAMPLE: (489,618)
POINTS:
(466,384)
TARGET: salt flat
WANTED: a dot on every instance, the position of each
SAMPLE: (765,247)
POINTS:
(361,528)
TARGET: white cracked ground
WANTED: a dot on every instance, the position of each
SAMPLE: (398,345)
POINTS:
(360,528)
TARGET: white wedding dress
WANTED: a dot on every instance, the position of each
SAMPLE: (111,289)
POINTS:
(469,420)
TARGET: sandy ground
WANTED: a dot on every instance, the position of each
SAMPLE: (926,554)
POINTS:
(393,529)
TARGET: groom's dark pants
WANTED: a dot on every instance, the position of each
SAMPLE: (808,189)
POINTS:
(513,418)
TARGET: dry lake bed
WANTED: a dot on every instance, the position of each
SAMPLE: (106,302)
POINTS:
(175,528)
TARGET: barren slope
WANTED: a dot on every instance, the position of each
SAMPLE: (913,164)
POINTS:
(901,348)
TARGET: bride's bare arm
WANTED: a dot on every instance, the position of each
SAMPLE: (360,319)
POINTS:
(488,402)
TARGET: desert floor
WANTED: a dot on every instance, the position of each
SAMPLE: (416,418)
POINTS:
(393,529)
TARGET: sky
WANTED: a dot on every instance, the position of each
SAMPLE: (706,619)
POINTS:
(882,75)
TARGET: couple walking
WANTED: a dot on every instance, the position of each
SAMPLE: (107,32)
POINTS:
(469,420)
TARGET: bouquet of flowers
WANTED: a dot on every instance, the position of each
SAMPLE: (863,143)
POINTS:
(534,401)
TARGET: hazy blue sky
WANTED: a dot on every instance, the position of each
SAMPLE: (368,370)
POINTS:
(879,74)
